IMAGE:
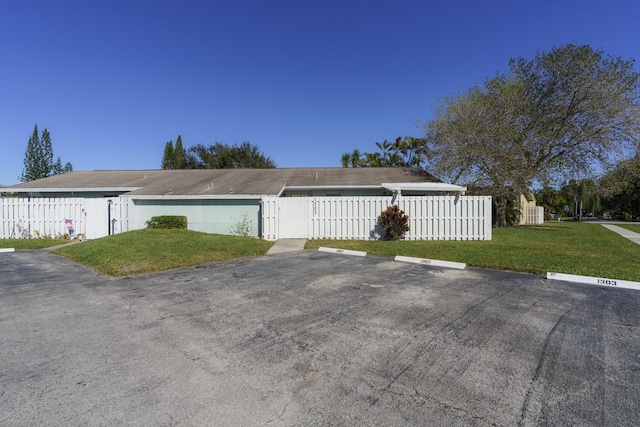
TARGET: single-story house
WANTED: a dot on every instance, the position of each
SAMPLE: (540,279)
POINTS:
(214,199)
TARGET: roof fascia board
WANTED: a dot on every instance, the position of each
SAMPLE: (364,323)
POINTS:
(192,197)
(426,186)
(332,187)
(66,189)
(284,187)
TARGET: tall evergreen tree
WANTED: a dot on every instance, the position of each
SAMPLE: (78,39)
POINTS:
(167,158)
(57,167)
(179,155)
(174,157)
(47,154)
(38,159)
(33,158)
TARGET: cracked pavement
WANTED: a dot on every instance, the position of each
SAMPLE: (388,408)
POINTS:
(311,338)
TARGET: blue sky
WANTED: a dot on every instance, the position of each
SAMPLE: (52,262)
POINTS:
(305,81)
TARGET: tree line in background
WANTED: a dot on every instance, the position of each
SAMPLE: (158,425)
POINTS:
(38,158)
(549,121)
(215,156)
(614,195)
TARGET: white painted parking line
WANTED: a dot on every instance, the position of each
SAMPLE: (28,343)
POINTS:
(435,262)
(342,251)
(7,250)
(613,283)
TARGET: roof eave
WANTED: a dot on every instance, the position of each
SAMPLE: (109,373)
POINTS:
(423,186)
(67,189)
(193,196)
(332,187)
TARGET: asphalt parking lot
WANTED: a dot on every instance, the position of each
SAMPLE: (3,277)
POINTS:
(311,338)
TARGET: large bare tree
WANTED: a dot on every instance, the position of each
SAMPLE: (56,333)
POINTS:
(567,113)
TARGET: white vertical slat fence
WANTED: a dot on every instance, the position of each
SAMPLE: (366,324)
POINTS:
(532,215)
(45,217)
(430,217)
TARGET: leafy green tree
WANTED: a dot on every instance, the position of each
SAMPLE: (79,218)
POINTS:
(585,196)
(221,156)
(38,159)
(620,188)
(552,199)
(565,112)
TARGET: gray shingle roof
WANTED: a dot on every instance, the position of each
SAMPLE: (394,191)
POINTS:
(202,182)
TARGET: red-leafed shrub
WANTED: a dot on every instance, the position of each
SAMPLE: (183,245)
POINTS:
(394,223)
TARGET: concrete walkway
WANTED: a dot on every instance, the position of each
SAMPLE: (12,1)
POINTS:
(633,236)
(287,245)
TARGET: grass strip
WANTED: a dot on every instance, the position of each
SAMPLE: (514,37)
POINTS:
(572,248)
(22,244)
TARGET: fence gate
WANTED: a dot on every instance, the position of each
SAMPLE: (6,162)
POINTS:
(293,217)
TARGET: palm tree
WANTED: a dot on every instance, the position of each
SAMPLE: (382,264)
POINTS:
(353,159)
(346,159)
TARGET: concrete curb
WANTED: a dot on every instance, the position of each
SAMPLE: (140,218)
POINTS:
(342,251)
(598,281)
(400,258)
(434,262)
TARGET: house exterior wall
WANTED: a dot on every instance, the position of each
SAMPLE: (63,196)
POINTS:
(204,215)
(530,214)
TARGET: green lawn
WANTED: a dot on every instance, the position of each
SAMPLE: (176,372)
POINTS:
(144,251)
(31,243)
(568,247)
